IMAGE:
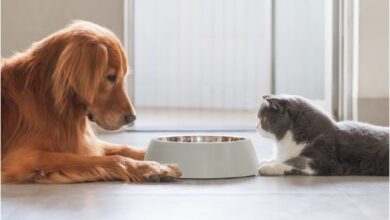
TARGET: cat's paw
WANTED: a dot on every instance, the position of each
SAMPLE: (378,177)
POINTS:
(276,169)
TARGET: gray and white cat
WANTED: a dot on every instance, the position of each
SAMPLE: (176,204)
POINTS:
(308,142)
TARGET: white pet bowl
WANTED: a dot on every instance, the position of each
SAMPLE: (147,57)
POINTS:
(206,157)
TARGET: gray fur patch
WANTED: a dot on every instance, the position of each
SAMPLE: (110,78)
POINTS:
(297,162)
(294,172)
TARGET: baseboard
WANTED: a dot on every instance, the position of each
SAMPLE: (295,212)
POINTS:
(373,111)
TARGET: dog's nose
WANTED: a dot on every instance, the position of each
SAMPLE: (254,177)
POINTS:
(129,118)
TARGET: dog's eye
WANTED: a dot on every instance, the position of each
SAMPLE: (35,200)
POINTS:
(111,78)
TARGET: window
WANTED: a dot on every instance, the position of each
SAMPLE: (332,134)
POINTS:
(204,64)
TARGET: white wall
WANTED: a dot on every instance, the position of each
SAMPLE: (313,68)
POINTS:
(373,62)
(26,21)
(374,49)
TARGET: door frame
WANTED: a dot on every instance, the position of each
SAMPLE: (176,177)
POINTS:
(128,41)
(341,30)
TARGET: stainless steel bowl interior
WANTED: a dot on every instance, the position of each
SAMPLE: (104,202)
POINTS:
(201,139)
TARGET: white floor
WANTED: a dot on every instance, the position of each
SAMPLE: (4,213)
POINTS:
(244,198)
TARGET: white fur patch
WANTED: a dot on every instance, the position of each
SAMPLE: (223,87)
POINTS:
(308,170)
(287,148)
(274,169)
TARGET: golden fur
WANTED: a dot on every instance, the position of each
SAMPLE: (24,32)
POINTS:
(47,92)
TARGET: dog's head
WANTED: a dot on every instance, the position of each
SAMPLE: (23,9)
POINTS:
(90,69)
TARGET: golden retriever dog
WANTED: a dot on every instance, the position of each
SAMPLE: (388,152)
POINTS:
(49,92)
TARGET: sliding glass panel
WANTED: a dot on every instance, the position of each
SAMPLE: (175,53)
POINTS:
(201,55)
(300,48)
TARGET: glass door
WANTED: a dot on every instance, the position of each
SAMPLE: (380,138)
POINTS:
(205,64)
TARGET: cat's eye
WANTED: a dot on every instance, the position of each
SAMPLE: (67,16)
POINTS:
(111,78)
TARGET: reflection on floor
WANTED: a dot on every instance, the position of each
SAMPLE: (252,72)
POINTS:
(244,198)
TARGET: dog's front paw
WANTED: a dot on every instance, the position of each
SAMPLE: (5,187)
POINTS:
(130,170)
(155,172)
(273,169)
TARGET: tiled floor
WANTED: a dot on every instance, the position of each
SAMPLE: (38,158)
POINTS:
(244,198)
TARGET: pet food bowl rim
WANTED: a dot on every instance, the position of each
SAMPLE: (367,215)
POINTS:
(240,139)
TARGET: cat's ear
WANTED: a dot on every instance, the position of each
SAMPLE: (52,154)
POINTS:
(266,96)
(276,103)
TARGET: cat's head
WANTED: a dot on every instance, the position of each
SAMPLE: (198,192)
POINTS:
(276,115)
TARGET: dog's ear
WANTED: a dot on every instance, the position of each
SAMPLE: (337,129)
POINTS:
(78,72)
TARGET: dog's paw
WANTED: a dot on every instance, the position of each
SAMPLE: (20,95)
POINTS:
(130,170)
(273,169)
(155,172)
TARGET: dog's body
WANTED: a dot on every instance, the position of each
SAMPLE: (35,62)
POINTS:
(47,92)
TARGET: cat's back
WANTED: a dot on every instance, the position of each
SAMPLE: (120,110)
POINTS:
(363,133)
(364,147)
